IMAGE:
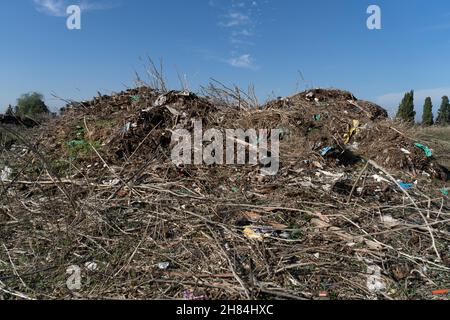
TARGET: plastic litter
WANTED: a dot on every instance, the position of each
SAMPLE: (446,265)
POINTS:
(126,127)
(389,221)
(445,191)
(428,151)
(310,96)
(375,282)
(285,235)
(76,143)
(379,178)
(136,98)
(353,130)
(405,151)
(163,265)
(252,234)
(330,176)
(317,117)
(91,266)
(5,174)
(323,295)
(160,101)
(441,292)
(261,232)
(406,186)
(325,151)
(112,183)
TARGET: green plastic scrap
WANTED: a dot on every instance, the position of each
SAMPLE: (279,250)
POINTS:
(136,98)
(445,191)
(317,117)
(427,150)
(75,143)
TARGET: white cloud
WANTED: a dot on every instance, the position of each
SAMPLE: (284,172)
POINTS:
(244,61)
(239,19)
(92,6)
(235,19)
(57,8)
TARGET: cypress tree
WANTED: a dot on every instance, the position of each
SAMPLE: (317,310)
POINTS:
(406,109)
(443,118)
(427,118)
(401,108)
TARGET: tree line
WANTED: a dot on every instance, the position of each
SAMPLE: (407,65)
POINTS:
(407,114)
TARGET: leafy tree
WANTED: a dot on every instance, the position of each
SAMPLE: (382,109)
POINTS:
(443,118)
(428,118)
(31,104)
(406,109)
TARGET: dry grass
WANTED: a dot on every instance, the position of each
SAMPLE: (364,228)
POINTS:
(438,138)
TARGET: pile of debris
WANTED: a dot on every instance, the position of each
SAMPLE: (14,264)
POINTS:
(335,124)
(358,209)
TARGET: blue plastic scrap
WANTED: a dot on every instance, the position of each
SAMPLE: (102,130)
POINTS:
(406,186)
(325,151)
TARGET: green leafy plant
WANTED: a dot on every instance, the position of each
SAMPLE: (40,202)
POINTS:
(31,104)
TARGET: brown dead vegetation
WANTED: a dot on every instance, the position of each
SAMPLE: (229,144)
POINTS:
(96,185)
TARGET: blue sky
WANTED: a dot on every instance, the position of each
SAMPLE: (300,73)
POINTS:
(265,42)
